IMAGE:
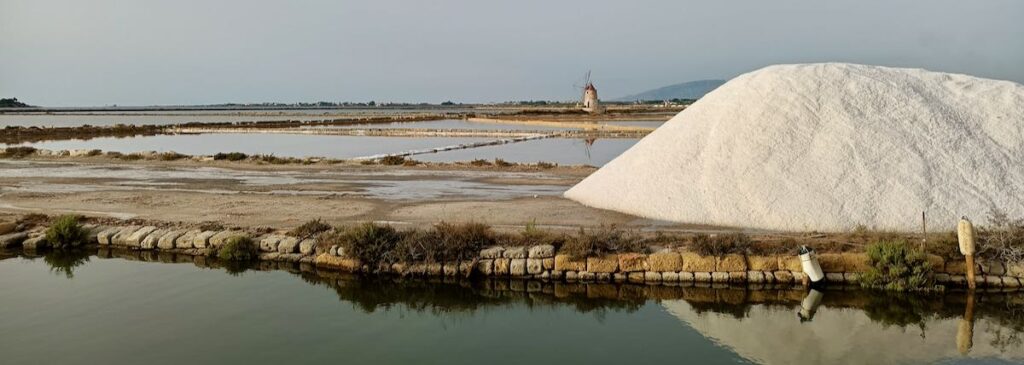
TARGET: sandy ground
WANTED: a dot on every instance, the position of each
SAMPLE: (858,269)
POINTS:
(250,195)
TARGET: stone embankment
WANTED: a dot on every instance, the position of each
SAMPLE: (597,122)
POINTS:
(534,262)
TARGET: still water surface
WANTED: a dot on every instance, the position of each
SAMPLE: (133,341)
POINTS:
(557,150)
(116,309)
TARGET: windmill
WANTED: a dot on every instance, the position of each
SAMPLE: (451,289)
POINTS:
(589,100)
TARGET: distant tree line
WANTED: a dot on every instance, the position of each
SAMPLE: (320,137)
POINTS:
(12,103)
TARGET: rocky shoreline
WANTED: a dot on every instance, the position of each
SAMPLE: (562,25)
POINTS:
(538,262)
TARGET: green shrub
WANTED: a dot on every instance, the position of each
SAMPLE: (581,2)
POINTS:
(896,265)
(240,248)
(720,245)
(18,151)
(66,231)
(231,156)
(371,243)
(605,240)
(310,229)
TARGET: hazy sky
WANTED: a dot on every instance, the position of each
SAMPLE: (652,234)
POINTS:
(100,52)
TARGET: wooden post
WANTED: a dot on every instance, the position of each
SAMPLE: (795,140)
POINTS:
(924,232)
(965,234)
(970,272)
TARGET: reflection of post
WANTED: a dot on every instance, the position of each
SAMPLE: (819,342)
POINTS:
(965,331)
(809,305)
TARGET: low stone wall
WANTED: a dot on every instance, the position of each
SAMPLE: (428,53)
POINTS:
(542,262)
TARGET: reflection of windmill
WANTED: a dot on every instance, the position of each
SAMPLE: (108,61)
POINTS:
(589,142)
(589,100)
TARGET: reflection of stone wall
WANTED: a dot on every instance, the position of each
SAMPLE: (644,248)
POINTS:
(542,262)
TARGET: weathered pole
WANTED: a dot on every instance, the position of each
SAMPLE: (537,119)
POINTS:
(965,234)
(924,232)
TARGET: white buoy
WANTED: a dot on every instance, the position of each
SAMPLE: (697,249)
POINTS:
(809,262)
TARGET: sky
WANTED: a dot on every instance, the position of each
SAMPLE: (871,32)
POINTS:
(155,52)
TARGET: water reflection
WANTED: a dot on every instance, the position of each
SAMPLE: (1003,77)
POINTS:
(770,325)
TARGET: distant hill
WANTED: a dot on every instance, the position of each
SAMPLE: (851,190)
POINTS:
(686,90)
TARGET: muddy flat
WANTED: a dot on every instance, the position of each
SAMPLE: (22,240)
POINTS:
(251,195)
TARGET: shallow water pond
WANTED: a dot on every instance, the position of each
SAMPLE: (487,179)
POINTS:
(557,150)
(448,124)
(113,307)
(71,119)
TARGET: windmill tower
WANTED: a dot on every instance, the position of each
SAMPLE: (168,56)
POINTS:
(590,102)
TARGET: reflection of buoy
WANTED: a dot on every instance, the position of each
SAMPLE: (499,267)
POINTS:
(809,262)
(810,305)
(965,236)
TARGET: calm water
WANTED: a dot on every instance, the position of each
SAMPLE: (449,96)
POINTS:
(70,309)
(449,124)
(557,150)
(70,119)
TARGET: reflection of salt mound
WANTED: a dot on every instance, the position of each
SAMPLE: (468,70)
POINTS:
(836,336)
(827,147)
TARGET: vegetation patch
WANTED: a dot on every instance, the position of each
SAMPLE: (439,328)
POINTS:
(18,152)
(310,229)
(239,248)
(171,156)
(230,156)
(392,160)
(1003,238)
(897,266)
(720,245)
(371,243)
(480,162)
(604,240)
(66,231)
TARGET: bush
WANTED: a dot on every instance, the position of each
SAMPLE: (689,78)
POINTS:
(171,156)
(896,265)
(392,160)
(371,243)
(410,162)
(501,163)
(66,231)
(458,241)
(1002,239)
(604,240)
(309,229)
(19,151)
(94,153)
(480,162)
(720,245)
(546,165)
(231,156)
(238,248)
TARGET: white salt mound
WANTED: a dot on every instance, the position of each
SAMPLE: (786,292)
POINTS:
(828,147)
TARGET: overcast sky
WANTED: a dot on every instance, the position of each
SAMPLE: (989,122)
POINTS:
(101,52)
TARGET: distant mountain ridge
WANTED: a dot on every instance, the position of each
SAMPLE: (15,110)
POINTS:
(686,90)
